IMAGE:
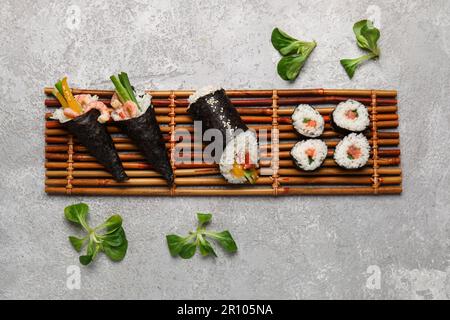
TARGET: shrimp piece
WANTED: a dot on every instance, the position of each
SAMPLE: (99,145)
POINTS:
(115,102)
(83,99)
(69,113)
(100,106)
(125,111)
(121,113)
(131,108)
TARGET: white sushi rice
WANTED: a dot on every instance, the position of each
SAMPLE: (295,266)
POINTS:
(144,101)
(59,115)
(360,123)
(235,152)
(305,111)
(298,152)
(341,156)
(202,92)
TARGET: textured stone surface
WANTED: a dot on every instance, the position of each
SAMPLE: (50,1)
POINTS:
(298,247)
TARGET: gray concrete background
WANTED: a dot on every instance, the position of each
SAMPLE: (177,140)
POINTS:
(298,247)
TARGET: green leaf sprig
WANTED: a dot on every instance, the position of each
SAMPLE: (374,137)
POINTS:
(294,52)
(111,240)
(366,37)
(185,247)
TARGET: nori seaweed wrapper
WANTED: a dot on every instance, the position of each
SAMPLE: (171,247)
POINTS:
(95,138)
(144,131)
(216,112)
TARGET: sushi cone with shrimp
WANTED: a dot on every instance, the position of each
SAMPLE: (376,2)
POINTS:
(85,117)
(238,157)
(135,116)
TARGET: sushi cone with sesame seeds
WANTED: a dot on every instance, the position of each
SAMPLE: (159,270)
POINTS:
(239,156)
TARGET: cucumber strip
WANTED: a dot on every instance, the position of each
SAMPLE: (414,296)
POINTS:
(122,93)
(123,77)
(58,86)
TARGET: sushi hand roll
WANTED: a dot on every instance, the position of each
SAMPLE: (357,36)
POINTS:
(135,116)
(309,155)
(350,116)
(84,117)
(352,152)
(307,121)
(239,158)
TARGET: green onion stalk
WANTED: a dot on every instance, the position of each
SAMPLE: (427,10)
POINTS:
(124,89)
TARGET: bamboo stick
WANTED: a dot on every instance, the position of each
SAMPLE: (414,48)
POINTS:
(138,156)
(288,101)
(146,166)
(112,129)
(197,172)
(337,180)
(281,136)
(126,165)
(338,171)
(351,191)
(159,191)
(132,147)
(257,111)
(182,104)
(248,92)
(219,181)
(284,191)
(331,144)
(87,157)
(247,119)
(287,154)
(131,173)
(110,191)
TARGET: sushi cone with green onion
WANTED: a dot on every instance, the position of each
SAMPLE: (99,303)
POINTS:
(136,117)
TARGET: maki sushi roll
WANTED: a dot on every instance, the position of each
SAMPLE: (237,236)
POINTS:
(352,152)
(84,117)
(239,157)
(350,116)
(135,116)
(307,121)
(309,155)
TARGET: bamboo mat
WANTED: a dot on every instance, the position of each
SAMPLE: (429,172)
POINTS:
(70,170)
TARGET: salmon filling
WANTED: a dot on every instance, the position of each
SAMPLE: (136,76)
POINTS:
(353,152)
(352,114)
(310,152)
(310,123)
